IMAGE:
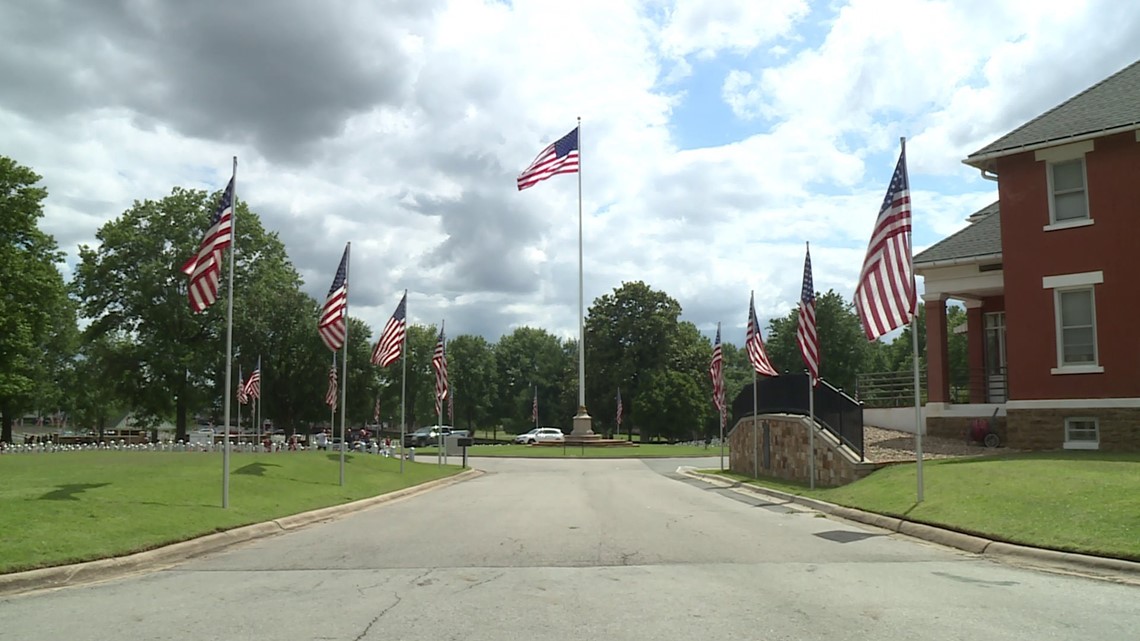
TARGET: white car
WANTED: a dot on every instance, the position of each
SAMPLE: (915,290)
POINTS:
(541,435)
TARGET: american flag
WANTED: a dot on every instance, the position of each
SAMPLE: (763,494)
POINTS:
(331,324)
(534,407)
(205,267)
(806,336)
(619,408)
(716,371)
(242,396)
(885,297)
(376,411)
(754,344)
(330,396)
(439,363)
(560,157)
(391,343)
(252,387)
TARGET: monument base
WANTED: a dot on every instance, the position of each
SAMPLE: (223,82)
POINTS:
(583,426)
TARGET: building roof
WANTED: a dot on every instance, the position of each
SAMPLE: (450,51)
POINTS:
(1111,104)
(980,238)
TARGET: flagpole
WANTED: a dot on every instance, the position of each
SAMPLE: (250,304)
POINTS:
(344,365)
(811,430)
(260,376)
(581,308)
(229,342)
(918,426)
(332,408)
(403,383)
(755,418)
(238,404)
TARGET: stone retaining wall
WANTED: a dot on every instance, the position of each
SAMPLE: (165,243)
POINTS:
(788,442)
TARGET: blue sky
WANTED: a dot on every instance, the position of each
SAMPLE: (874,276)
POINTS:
(717,137)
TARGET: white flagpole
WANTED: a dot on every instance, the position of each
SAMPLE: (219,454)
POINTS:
(581,308)
(914,344)
(403,383)
(344,365)
(229,343)
(755,419)
(332,408)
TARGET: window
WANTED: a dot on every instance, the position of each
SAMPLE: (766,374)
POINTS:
(1074,305)
(1067,182)
(1077,327)
(1081,433)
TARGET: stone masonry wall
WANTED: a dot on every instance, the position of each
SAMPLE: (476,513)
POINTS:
(1044,429)
(789,460)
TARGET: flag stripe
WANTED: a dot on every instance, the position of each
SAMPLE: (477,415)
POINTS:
(560,157)
(439,363)
(886,297)
(331,324)
(754,343)
(205,267)
(806,336)
(391,343)
(716,372)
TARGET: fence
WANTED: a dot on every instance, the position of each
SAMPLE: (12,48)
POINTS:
(837,412)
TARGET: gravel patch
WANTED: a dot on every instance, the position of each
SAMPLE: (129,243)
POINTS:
(888,446)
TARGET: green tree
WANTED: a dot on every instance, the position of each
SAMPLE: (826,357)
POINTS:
(672,405)
(844,350)
(630,334)
(526,358)
(131,285)
(37,321)
(471,368)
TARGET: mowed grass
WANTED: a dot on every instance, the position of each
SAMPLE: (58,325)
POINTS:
(649,450)
(1072,501)
(78,506)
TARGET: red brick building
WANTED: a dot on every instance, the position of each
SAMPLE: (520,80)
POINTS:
(1050,278)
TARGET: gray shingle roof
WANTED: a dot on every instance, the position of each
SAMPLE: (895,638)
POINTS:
(981,238)
(1111,103)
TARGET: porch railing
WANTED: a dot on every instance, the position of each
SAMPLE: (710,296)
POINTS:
(896,389)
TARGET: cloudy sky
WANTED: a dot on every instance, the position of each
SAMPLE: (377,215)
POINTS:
(718,136)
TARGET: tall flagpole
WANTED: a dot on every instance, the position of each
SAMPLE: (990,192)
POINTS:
(918,426)
(332,408)
(403,383)
(344,365)
(755,405)
(720,403)
(581,306)
(229,343)
(439,402)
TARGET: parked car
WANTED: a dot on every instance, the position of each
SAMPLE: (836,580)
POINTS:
(541,435)
(430,435)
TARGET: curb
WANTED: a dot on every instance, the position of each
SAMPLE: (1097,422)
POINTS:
(175,553)
(1042,558)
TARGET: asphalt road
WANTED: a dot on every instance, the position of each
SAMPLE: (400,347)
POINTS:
(582,549)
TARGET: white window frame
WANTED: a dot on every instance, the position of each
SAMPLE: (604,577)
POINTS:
(1082,445)
(1068,283)
(1062,154)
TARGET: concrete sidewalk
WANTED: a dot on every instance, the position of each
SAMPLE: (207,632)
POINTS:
(1087,565)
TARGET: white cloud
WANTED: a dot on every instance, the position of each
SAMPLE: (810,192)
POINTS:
(418,171)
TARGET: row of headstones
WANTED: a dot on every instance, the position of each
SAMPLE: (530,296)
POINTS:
(162,446)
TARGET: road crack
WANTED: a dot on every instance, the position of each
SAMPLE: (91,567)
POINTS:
(371,623)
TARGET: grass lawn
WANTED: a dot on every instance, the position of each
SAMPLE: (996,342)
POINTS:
(78,506)
(649,450)
(1072,501)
